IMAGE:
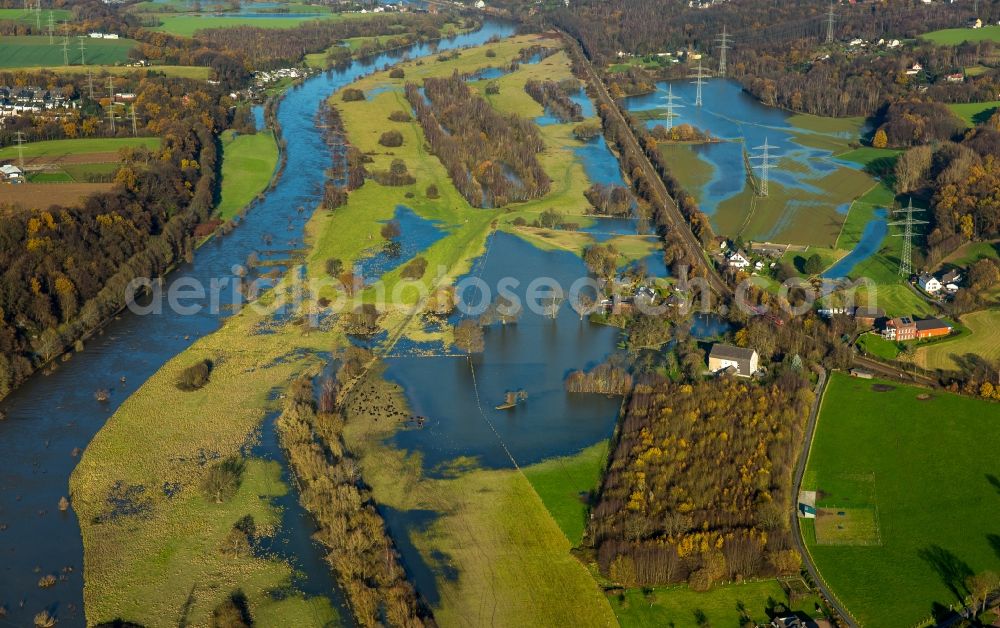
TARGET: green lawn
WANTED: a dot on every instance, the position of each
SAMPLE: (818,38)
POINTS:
(59,148)
(876,345)
(982,341)
(952,36)
(722,606)
(248,161)
(564,484)
(35,50)
(975,112)
(867,154)
(187,25)
(928,470)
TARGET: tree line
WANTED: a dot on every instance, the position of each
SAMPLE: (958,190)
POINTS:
(359,548)
(554,97)
(491,157)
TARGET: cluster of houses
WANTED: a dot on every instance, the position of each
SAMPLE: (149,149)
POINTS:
(99,35)
(947,283)
(857,42)
(739,259)
(16,101)
(900,328)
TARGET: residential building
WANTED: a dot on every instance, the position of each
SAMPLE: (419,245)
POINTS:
(743,362)
(957,77)
(952,276)
(900,328)
(737,259)
(929,283)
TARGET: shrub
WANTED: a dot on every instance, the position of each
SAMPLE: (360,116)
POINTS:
(352,94)
(813,265)
(223,479)
(519,221)
(492,88)
(491,53)
(195,376)
(400,116)
(415,269)
(432,191)
(391,139)
(334,267)
(397,73)
(232,613)
(391,230)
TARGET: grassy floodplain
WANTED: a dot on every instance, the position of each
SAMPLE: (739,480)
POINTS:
(513,556)
(919,465)
(248,162)
(24,51)
(28,16)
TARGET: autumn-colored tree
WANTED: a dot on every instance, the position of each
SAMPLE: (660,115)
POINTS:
(880,140)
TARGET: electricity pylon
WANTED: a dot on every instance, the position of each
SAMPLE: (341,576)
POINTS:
(51,21)
(670,98)
(723,46)
(65,46)
(111,103)
(765,164)
(906,258)
(699,80)
(829,25)
(20,151)
(83,59)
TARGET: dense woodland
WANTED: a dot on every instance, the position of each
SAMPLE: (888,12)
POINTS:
(64,270)
(698,487)
(491,157)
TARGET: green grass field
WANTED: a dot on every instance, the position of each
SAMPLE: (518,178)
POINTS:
(927,470)
(722,606)
(875,344)
(954,36)
(981,343)
(187,25)
(59,148)
(248,162)
(173,71)
(564,485)
(31,17)
(975,112)
(35,50)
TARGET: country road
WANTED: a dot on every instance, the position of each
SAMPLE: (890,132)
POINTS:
(677,220)
(800,470)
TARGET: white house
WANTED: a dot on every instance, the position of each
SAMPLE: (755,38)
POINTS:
(725,357)
(11,173)
(929,283)
(480,4)
(737,260)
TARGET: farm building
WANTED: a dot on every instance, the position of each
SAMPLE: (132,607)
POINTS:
(10,173)
(725,357)
(868,316)
(906,328)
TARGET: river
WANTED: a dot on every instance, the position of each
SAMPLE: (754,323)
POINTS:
(52,417)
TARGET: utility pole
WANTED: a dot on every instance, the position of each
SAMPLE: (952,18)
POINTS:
(829,25)
(20,151)
(699,77)
(724,42)
(50,28)
(670,98)
(906,258)
(83,59)
(111,103)
(765,164)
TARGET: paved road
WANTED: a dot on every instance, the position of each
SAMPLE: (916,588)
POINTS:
(676,219)
(800,469)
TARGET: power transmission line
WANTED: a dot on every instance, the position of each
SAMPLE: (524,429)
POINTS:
(699,80)
(765,164)
(723,46)
(829,25)
(670,98)
(906,258)
(20,150)
(111,103)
